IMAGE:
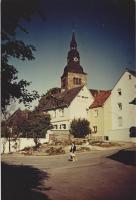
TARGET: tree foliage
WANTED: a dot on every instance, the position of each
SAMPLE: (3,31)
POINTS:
(80,128)
(13,11)
(36,126)
(49,94)
(11,128)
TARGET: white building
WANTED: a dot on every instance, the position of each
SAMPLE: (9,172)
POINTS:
(75,104)
(123,112)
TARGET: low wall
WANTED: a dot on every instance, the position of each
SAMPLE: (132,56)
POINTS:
(121,135)
(60,136)
(20,144)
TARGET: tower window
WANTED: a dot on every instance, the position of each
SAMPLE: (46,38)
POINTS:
(77,81)
(74,81)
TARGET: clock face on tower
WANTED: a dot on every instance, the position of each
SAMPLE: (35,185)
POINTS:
(75,59)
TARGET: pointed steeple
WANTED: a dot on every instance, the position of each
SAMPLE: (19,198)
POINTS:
(73,75)
(73,43)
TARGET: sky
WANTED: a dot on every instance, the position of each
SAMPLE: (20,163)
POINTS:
(104,31)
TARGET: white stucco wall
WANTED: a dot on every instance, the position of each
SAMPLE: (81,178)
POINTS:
(77,109)
(80,105)
(121,135)
(21,144)
(59,117)
(128,112)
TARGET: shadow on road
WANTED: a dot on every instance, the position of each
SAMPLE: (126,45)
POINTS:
(20,182)
(126,156)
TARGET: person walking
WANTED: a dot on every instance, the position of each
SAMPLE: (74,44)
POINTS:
(72,152)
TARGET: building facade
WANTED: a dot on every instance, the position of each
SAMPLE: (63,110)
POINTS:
(110,112)
(100,115)
(122,110)
(113,113)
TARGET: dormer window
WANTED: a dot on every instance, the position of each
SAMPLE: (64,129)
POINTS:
(119,92)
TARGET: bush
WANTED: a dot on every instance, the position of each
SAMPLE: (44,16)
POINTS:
(132,131)
(55,151)
(80,128)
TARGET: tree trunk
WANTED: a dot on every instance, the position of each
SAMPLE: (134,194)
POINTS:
(9,145)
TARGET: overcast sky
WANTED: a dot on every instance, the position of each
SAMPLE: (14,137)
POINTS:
(104,31)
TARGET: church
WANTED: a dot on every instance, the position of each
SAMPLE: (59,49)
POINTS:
(104,109)
(74,98)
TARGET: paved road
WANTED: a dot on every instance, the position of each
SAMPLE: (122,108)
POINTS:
(95,176)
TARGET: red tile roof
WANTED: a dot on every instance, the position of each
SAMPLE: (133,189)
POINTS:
(100,98)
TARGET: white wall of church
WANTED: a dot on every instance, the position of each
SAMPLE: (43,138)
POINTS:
(80,105)
(60,118)
(123,113)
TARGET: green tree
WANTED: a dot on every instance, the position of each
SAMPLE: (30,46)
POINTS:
(80,128)
(13,11)
(37,125)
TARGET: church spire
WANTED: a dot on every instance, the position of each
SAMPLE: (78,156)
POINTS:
(73,43)
(73,75)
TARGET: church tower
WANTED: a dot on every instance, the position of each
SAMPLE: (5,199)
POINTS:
(73,75)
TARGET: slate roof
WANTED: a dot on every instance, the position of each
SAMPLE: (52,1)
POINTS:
(18,116)
(74,68)
(62,99)
(100,98)
(131,72)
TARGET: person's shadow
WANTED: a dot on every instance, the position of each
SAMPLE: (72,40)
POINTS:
(20,182)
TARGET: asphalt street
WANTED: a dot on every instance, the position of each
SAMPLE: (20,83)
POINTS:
(98,175)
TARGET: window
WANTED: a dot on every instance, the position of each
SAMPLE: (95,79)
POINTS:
(74,81)
(120,106)
(94,129)
(120,121)
(64,126)
(106,138)
(53,113)
(119,92)
(55,126)
(95,113)
(77,81)
(61,112)
(129,76)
